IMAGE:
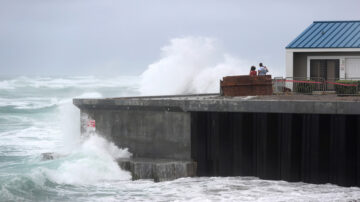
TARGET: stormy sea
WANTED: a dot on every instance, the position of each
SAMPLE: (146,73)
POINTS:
(37,116)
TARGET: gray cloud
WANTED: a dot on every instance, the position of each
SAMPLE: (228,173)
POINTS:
(84,37)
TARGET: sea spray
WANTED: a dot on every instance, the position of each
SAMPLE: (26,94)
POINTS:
(69,121)
(190,65)
(90,158)
(93,162)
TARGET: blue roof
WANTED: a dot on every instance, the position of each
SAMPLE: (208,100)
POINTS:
(329,34)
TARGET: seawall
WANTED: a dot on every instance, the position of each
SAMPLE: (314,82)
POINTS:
(313,139)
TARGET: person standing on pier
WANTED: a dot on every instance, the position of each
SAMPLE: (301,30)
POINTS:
(253,71)
(262,70)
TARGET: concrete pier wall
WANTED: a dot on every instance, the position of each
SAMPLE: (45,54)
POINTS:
(310,148)
(147,134)
(310,139)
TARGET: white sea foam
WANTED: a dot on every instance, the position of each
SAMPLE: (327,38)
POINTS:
(190,65)
(28,102)
(90,95)
(88,161)
(30,140)
(42,102)
(85,82)
(6,85)
(93,162)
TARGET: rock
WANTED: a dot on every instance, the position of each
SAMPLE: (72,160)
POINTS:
(50,156)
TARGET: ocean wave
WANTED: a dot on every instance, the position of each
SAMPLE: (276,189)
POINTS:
(16,120)
(91,163)
(43,102)
(35,188)
(85,82)
(28,102)
(37,116)
(31,109)
(31,140)
(6,85)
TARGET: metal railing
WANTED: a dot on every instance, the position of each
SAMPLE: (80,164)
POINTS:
(303,85)
(310,85)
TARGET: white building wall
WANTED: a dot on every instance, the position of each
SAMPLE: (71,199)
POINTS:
(289,63)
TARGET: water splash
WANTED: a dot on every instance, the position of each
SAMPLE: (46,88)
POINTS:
(93,162)
(190,65)
(88,160)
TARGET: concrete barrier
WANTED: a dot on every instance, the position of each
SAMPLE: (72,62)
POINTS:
(246,85)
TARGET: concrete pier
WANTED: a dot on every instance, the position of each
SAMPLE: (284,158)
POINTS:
(158,169)
(313,138)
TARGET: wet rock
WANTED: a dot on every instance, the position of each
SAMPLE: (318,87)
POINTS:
(50,156)
(47,156)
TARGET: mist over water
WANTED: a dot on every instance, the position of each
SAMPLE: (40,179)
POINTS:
(37,116)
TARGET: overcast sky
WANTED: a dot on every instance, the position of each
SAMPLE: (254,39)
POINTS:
(84,37)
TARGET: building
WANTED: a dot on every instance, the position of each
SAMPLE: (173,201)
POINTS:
(326,49)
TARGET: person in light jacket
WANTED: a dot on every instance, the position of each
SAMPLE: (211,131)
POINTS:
(262,70)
